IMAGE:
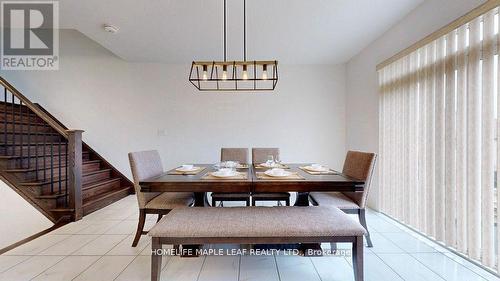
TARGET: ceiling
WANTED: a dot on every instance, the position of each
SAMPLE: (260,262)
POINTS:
(179,31)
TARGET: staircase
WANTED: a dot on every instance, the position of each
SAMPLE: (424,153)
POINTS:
(49,165)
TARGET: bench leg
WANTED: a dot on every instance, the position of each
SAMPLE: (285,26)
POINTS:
(156,259)
(357,258)
(140,227)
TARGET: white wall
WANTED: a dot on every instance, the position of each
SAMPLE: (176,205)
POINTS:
(121,106)
(362,80)
(18,218)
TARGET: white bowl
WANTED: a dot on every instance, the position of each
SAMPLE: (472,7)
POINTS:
(224,173)
(186,168)
(317,168)
(277,172)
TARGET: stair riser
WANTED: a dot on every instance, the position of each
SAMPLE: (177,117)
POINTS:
(89,208)
(31,138)
(20,118)
(23,162)
(42,149)
(100,189)
(18,128)
(96,177)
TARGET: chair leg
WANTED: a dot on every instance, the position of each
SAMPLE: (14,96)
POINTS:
(248,202)
(287,202)
(213,203)
(159,217)
(357,258)
(253,201)
(362,220)
(140,227)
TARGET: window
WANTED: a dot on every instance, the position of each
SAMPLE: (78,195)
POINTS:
(439,138)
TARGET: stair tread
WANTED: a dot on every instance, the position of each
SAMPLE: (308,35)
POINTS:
(85,187)
(38,124)
(32,156)
(94,199)
(18,143)
(10,132)
(91,185)
(55,166)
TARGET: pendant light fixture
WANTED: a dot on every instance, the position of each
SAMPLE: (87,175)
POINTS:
(234,75)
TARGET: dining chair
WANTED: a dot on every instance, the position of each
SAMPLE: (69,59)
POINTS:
(358,165)
(260,155)
(144,165)
(232,154)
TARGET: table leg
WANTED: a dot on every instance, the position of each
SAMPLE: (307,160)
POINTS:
(308,249)
(199,201)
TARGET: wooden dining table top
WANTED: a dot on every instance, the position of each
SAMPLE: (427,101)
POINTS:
(168,182)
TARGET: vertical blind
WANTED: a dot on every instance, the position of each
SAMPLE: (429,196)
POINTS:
(439,131)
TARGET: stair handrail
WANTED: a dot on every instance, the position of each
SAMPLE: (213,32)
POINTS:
(35,109)
(74,150)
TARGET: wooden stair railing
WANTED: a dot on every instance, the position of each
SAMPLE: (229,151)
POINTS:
(49,165)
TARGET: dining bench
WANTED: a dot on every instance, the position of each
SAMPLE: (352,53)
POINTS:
(256,225)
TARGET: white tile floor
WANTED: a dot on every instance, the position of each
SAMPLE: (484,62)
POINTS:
(97,248)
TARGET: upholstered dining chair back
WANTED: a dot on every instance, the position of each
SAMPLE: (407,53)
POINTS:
(144,165)
(234,154)
(259,155)
(360,165)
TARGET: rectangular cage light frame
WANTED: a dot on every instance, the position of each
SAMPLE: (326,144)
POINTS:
(208,75)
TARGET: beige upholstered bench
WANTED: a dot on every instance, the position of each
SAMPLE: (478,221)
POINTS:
(256,225)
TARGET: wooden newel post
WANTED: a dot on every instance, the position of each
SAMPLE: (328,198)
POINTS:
(75,172)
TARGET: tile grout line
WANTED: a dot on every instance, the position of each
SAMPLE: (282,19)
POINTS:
(277,269)
(128,264)
(315,269)
(392,269)
(426,240)
(69,255)
(413,255)
(49,267)
(28,257)
(201,268)
(99,258)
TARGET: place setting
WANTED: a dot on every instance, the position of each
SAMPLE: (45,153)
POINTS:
(226,174)
(232,165)
(278,174)
(318,169)
(186,169)
(272,162)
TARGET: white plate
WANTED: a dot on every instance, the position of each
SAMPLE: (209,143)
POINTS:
(313,169)
(220,174)
(186,170)
(281,175)
(274,165)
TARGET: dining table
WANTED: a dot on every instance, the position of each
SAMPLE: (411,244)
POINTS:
(201,182)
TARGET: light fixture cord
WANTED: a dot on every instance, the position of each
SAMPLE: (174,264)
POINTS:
(244,30)
(224,30)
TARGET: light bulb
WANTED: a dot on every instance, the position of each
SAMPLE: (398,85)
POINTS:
(205,74)
(224,72)
(264,72)
(245,73)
